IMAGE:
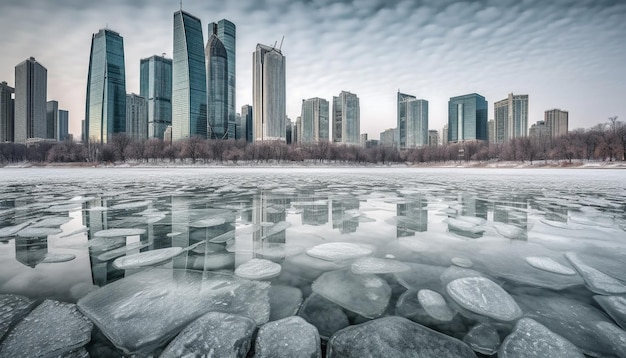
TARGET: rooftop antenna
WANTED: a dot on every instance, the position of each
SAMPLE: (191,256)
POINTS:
(275,42)
(281,43)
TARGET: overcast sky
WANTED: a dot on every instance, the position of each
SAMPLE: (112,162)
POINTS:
(564,54)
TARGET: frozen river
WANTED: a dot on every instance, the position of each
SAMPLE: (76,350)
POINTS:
(465,252)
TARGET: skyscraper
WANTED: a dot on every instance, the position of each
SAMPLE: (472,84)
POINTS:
(6,112)
(433,137)
(314,121)
(217,88)
(247,122)
(189,99)
(467,118)
(412,121)
(156,87)
(226,33)
(268,93)
(136,117)
(105,112)
(63,127)
(511,118)
(31,81)
(346,119)
(52,119)
(557,121)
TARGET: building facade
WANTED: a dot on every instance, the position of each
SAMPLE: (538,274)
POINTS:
(247,122)
(467,118)
(557,122)
(388,138)
(433,137)
(314,121)
(217,89)
(52,120)
(511,118)
(156,87)
(539,130)
(346,119)
(226,32)
(105,112)
(412,121)
(63,129)
(7,105)
(268,94)
(31,83)
(444,135)
(136,117)
(189,98)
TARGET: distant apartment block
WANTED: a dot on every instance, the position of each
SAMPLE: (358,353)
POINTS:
(511,118)
(247,122)
(314,121)
(557,121)
(539,130)
(346,119)
(444,135)
(6,112)
(491,131)
(412,121)
(388,138)
(31,83)
(433,137)
(467,118)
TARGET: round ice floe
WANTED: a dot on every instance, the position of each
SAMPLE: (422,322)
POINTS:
(482,296)
(596,280)
(549,264)
(258,269)
(38,232)
(435,305)
(367,265)
(338,251)
(52,258)
(532,339)
(147,258)
(462,262)
(119,232)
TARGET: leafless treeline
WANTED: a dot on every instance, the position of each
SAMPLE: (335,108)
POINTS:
(606,142)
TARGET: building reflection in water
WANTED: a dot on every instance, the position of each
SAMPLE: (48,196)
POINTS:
(345,214)
(411,217)
(315,213)
(30,251)
(511,210)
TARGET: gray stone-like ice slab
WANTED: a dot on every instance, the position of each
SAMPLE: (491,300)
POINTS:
(484,297)
(613,337)
(143,311)
(284,301)
(597,281)
(287,338)
(435,305)
(325,315)
(258,269)
(367,295)
(394,337)
(532,339)
(483,338)
(549,264)
(52,329)
(215,334)
(12,309)
(615,306)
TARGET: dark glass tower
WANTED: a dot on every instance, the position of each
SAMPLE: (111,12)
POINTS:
(226,33)
(467,118)
(105,112)
(156,87)
(217,89)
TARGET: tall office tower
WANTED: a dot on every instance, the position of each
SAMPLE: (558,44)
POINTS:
(217,88)
(63,129)
(226,33)
(189,106)
(247,122)
(156,87)
(314,121)
(412,121)
(6,112)
(346,119)
(556,120)
(433,137)
(467,118)
(511,118)
(105,112)
(136,117)
(239,127)
(288,130)
(31,85)
(268,93)
(52,119)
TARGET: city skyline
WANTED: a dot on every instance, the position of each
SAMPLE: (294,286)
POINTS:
(361,48)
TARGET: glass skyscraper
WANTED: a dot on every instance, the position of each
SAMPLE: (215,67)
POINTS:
(156,87)
(189,98)
(247,122)
(467,118)
(226,33)
(136,117)
(314,125)
(52,119)
(268,94)
(412,121)
(31,83)
(6,112)
(511,118)
(63,127)
(346,119)
(557,122)
(105,112)
(217,89)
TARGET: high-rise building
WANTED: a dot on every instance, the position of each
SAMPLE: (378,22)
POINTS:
(511,118)
(268,93)
(189,99)
(539,130)
(467,118)
(412,121)
(491,131)
(288,130)
(297,131)
(217,88)
(346,119)
(433,137)
(314,121)
(247,122)
(557,121)
(136,117)
(52,119)
(6,112)
(226,33)
(444,135)
(239,127)
(105,112)
(156,87)
(388,138)
(31,84)
(63,129)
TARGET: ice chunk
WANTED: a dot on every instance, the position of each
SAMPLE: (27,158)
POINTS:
(147,258)
(338,251)
(394,337)
(57,258)
(284,301)
(596,280)
(482,296)
(215,334)
(615,306)
(612,337)
(464,226)
(131,205)
(483,338)
(287,338)
(51,329)
(38,231)
(462,262)
(258,269)
(367,295)
(278,251)
(453,272)
(122,251)
(325,315)
(420,276)
(12,309)
(435,305)
(52,222)
(211,222)
(119,232)
(143,311)
(366,265)
(549,264)
(510,231)
(532,339)
(12,230)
